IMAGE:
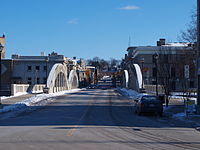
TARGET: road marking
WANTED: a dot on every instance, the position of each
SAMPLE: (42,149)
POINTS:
(71,131)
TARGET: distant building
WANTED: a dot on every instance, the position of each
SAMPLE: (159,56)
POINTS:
(33,69)
(3,43)
(174,56)
(30,70)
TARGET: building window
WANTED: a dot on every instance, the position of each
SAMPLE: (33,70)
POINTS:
(154,72)
(44,80)
(154,82)
(29,68)
(191,84)
(173,72)
(38,80)
(45,68)
(165,58)
(29,80)
(37,67)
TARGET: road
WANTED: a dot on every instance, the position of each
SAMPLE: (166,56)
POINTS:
(94,120)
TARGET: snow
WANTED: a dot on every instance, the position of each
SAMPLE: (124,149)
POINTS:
(17,94)
(35,101)
(130,93)
(177,44)
(179,115)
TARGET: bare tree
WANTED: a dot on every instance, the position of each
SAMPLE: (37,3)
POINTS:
(171,68)
(190,34)
(166,67)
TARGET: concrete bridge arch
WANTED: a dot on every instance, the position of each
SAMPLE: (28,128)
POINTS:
(73,79)
(125,78)
(57,79)
(132,77)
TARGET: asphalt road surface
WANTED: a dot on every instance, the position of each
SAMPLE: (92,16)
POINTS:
(94,120)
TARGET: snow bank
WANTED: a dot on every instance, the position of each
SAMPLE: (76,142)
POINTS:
(128,92)
(18,94)
(34,101)
(179,115)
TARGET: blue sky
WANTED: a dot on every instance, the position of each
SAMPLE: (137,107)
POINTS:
(88,28)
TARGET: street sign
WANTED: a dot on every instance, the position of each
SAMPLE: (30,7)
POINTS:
(190,107)
(187,71)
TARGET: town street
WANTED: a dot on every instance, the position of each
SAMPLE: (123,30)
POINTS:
(94,119)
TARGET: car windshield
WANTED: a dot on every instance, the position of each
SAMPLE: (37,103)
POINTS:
(149,98)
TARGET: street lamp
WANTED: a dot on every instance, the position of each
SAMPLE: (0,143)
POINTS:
(46,89)
(96,72)
(198,51)
(1,48)
(155,60)
(142,62)
(46,59)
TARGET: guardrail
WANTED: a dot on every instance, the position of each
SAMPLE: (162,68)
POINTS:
(21,88)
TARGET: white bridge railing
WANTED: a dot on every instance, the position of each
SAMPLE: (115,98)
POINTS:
(22,88)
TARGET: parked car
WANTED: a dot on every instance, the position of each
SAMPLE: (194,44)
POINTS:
(148,104)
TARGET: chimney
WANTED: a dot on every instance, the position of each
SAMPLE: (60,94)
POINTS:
(161,42)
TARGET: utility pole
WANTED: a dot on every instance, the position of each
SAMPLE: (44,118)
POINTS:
(155,61)
(1,48)
(198,51)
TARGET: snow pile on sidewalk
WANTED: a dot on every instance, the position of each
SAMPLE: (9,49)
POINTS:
(179,116)
(128,92)
(35,101)
(18,94)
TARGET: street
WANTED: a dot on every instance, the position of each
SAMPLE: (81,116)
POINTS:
(94,119)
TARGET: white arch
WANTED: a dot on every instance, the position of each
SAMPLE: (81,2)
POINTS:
(57,79)
(73,79)
(138,75)
(125,79)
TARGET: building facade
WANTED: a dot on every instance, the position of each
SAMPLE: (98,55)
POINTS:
(3,43)
(33,69)
(174,65)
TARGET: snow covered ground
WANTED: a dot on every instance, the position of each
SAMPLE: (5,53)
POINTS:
(18,94)
(131,94)
(37,100)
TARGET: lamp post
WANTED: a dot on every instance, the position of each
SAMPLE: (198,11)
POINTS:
(96,72)
(46,59)
(46,89)
(142,62)
(198,51)
(155,60)
(1,48)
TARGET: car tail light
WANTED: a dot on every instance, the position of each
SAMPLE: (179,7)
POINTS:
(141,105)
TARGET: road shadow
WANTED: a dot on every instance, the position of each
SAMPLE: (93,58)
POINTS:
(82,110)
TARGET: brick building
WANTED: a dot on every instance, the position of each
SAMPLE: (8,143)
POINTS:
(176,63)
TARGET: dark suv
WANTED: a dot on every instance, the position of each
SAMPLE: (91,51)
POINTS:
(148,104)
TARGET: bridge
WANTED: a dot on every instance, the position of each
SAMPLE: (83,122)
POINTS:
(132,77)
(58,79)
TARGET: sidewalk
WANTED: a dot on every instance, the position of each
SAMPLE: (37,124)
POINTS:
(176,110)
(13,100)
